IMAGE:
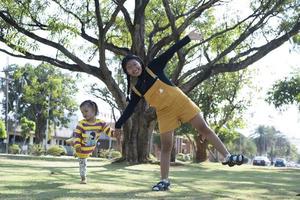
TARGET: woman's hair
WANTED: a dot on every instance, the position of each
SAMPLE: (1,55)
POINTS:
(124,63)
(90,104)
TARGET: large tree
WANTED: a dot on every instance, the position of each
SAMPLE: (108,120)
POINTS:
(41,94)
(78,33)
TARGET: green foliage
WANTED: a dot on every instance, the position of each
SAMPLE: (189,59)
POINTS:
(220,102)
(183,157)
(41,93)
(56,150)
(27,127)
(115,154)
(36,150)
(2,129)
(156,139)
(272,142)
(285,92)
(242,145)
(110,154)
(296,39)
(14,149)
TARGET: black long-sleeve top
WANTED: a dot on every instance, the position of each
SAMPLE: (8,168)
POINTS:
(145,80)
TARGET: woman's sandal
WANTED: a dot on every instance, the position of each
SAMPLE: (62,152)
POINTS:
(161,186)
(235,160)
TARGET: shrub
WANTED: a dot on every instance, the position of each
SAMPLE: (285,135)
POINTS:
(103,153)
(36,149)
(115,154)
(14,149)
(183,157)
(111,154)
(56,150)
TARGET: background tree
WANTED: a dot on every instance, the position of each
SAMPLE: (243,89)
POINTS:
(222,107)
(27,128)
(273,143)
(244,145)
(87,36)
(263,137)
(42,93)
(285,92)
(2,130)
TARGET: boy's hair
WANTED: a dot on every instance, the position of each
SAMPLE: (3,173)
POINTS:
(90,104)
(124,62)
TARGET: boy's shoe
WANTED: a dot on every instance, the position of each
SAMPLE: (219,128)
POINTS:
(161,186)
(83,181)
(235,160)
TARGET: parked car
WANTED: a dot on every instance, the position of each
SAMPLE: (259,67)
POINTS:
(261,161)
(280,162)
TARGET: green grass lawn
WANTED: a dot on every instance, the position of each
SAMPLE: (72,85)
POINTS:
(23,177)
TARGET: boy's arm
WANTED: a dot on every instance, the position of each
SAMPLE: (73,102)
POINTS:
(77,134)
(107,130)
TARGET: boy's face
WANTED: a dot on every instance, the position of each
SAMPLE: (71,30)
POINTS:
(87,112)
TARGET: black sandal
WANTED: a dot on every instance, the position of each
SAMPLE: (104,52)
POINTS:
(161,186)
(235,160)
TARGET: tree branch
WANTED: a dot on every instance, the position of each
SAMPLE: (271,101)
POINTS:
(57,46)
(209,70)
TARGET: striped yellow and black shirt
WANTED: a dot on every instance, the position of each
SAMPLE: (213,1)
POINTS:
(87,134)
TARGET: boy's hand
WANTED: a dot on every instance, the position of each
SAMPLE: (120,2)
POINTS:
(195,35)
(78,149)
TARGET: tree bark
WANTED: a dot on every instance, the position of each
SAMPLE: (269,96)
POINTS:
(40,128)
(201,147)
(137,135)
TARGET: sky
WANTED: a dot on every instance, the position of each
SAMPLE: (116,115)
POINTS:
(275,66)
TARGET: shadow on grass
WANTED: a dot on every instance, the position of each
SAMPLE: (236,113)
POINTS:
(46,158)
(191,181)
(269,183)
(50,190)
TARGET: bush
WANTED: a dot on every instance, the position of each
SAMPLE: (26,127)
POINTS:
(183,157)
(36,150)
(115,154)
(56,150)
(110,154)
(14,149)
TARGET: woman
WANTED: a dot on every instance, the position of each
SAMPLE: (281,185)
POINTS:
(172,106)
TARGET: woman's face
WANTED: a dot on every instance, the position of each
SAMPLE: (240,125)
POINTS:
(134,68)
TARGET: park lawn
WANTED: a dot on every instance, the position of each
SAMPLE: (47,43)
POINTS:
(26,177)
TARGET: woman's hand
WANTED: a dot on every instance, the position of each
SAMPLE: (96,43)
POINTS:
(195,35)
(117,133)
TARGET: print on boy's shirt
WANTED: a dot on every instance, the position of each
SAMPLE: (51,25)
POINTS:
(89,138)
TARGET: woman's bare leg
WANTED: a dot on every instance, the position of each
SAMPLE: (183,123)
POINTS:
(203,129)
(166,140)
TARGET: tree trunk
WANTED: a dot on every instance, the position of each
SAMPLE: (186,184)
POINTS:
(201,147)
(40,128)
(137,135)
